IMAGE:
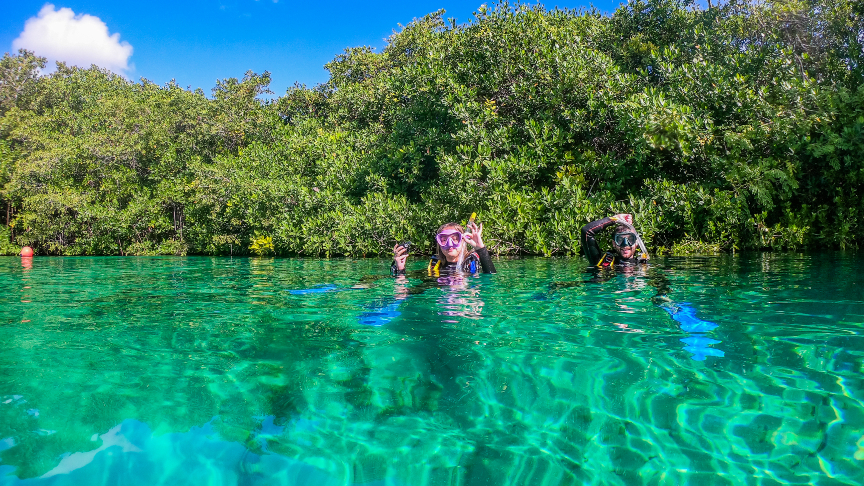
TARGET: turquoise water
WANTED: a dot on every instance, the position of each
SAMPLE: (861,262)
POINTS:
(188,371)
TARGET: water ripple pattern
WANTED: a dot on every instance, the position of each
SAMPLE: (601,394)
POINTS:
(184,371)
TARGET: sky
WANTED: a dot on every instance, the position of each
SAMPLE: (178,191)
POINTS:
(196,42)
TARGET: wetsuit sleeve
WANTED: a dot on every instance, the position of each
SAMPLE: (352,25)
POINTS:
(589,244)
(485,260)
(395,271)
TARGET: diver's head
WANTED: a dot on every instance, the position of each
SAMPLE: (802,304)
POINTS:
(624,242)
(451,242)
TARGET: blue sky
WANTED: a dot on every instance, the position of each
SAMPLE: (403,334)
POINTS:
(199,41)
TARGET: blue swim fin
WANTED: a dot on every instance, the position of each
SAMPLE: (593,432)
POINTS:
(380,315)
(316,290)
(697,344)
(686,316)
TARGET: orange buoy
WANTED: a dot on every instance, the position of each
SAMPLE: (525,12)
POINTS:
(26,252)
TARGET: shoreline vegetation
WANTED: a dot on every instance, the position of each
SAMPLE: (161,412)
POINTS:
(732,127)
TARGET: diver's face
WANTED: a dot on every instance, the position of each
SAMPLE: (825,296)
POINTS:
(450,242)
(625,243)
(625,251)
(452,251)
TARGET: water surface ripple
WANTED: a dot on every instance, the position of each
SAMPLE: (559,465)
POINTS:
(715,370)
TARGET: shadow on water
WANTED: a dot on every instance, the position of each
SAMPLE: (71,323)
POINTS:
(720,370)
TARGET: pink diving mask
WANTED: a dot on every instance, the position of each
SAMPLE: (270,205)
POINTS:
(449,240)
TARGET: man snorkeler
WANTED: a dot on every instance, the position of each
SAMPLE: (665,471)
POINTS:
(624,242)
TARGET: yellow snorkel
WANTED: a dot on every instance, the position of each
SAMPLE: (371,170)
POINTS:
(470,220)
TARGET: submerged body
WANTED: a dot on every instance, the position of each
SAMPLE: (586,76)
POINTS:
(477,261)
(624,242)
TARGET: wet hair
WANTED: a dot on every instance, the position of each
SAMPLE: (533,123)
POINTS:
(440,254)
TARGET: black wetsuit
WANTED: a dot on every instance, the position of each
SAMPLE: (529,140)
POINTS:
(592,250)
(478,261)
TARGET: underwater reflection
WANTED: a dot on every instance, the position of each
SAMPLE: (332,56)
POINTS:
(635,279)
(458,299)
(464,302)
(131,454)
(512,379)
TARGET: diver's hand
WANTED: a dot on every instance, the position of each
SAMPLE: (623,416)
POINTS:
(400,255)
(475,238)
(627,218)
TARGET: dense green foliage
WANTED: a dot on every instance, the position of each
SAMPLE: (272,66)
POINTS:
(733,127)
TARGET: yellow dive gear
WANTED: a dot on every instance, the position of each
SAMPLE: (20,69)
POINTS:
(434,265)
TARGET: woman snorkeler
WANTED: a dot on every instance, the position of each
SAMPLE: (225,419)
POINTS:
(452,254)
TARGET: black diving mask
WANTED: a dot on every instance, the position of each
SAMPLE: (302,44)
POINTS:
(625,239)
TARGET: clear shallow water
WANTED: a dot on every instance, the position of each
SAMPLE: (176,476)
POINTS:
(218,371)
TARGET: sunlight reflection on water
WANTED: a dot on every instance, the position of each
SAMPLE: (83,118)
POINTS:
(723,370)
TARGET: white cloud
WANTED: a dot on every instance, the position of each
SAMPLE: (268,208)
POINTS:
(79,40)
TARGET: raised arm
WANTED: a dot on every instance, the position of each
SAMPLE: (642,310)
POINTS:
(400,255)
(589,244)
(485,260)
(475,237)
